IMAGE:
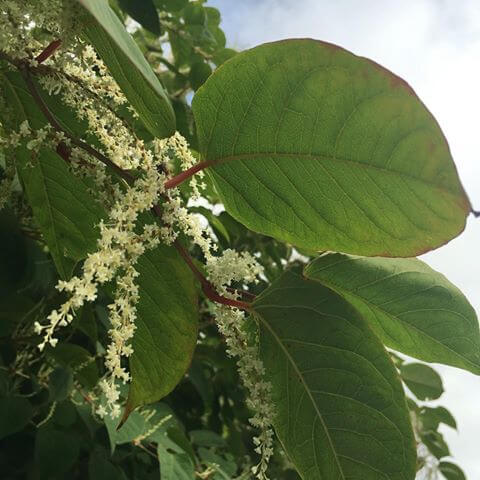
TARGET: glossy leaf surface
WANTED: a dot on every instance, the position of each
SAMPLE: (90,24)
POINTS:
(315,146)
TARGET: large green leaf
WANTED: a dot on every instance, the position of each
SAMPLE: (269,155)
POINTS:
(166,332)
(315,146)
(128,66)
(62,207)
(412,308)
(340,407)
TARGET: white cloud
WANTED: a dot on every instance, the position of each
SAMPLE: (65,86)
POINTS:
(435,46)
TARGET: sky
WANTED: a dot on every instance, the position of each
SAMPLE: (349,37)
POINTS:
(435,46)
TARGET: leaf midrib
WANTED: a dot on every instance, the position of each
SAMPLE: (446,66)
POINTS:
(322,157)
(302,380)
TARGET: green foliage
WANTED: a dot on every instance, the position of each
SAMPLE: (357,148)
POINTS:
(144,13)
(296,157)
(307,148)
(62,207)
(167,329)
(16,413)
(451,471)
(412,308)
(129,68)
(333,385)
(422,380)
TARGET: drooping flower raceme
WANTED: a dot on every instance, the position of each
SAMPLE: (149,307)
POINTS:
(82,82)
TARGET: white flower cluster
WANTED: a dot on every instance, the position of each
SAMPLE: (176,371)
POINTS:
(82,81)
(222,271)
(33,139)
(17,37)
(119,249)
(176,216)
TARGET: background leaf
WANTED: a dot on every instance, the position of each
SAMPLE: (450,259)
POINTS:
(166,332)
(144,13)
(315,146)
(62,207)
(175,465)
(432,417)
(422,380)
(451,471)
(410,306)
(16,412)
(55,452)
(341,411)
(128,66)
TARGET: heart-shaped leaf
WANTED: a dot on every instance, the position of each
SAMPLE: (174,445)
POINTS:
(315,146)
(340,407)
(128,66)
(411,307)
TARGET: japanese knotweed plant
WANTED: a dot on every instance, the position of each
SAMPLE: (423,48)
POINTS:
(332,175)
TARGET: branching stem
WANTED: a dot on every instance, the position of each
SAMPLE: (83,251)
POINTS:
(56,126)
(207,287)
(186,174)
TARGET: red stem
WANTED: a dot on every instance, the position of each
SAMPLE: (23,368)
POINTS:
(53,122)
(181,177)
(207,287)
(63,151)
(49,51)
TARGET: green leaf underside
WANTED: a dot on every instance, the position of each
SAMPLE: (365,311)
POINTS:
(23,106)
(340,407)
(166,322)
(62,207)
(128,66)
(315,146)
(410,306)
